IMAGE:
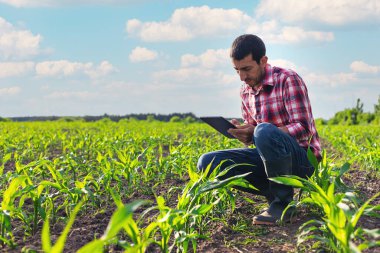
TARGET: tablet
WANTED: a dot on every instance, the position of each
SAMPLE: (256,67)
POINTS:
(220,124)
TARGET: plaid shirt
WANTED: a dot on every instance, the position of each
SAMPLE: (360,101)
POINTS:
(282,100)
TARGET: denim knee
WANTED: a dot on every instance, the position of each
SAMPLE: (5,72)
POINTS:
(204,161)
(268,141)
(262,132)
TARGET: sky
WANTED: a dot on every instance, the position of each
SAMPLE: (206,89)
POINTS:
(91,57)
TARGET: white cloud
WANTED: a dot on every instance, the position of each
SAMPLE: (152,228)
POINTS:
(10,91)
(210,59)
(52,3)
(282,63)
(192,77)
(8,69)
(184,75)
(27,3)
(187,23)
(62,67)
(330,80)
(82,95)
(272,32)
(16,43)
(104,69)
(192,22)
(362,67)
(67,68)
(141,54)
(336,12)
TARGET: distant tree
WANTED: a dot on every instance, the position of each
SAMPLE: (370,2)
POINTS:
(320,121)
(175,119)
(376,113)
(359,106)
(70,119)
(377,107)
(150,118)
(350,116)
(132,119)
(4,119)
(190,119)
(105,120)
(365,118)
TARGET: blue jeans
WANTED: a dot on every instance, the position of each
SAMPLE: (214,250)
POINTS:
(272,147)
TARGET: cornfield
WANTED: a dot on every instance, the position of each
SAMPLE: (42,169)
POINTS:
(133,186)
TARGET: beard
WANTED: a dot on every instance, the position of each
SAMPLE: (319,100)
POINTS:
(256,81)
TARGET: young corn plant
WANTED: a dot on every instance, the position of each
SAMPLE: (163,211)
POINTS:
(197,200)
(59,245)
(173,228)
(9,210)
(3,160)
(122,219)
(340,211)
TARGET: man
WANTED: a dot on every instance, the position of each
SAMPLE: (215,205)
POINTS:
(277,119)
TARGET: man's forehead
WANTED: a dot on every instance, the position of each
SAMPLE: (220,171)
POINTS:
(245,62)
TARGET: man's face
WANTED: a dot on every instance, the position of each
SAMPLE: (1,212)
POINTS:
(249,71)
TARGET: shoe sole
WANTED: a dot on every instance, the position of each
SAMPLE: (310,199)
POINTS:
(257,222)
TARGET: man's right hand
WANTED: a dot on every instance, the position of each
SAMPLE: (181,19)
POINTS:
(243,133)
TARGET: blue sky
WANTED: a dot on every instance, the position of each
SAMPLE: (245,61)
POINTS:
(90,57)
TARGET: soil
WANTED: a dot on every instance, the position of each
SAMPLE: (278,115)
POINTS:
(234,234)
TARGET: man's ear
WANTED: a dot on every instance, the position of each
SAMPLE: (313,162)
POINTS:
(264,60)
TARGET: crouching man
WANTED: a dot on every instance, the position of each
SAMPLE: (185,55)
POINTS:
(278,120)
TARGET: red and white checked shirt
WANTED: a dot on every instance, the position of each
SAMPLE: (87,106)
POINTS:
(282,100)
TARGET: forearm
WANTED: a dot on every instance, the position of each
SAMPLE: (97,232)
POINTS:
(297,130)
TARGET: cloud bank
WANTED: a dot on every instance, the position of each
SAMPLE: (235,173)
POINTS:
(17,43)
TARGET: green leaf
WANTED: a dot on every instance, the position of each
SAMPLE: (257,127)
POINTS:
(120,218)
(150,229)
(202,209)
(60,244)
(288,181)
(116,198)
(344,169)
(219,184)
(45,235)
(95,246)
(312,159)
(11,191)
(356,216)
(375,233)
(242,183)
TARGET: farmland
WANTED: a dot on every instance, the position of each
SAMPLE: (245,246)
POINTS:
(133,186)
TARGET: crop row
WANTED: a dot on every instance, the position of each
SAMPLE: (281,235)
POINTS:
(51,171)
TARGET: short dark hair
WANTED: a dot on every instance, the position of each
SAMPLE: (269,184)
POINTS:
(247,44)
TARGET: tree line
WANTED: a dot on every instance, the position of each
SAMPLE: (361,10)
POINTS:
(355,115)
(349,116)
(116,118)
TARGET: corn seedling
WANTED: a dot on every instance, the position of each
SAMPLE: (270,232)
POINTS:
(340,211)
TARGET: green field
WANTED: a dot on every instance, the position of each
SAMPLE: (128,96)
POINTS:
(132,186)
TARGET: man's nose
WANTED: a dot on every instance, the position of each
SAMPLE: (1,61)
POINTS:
(242,75)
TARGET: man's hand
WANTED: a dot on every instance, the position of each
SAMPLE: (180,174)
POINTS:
(243,133)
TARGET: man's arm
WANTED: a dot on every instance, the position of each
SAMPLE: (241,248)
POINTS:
(298,106)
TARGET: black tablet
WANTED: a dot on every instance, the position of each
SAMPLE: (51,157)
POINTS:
(220,124)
